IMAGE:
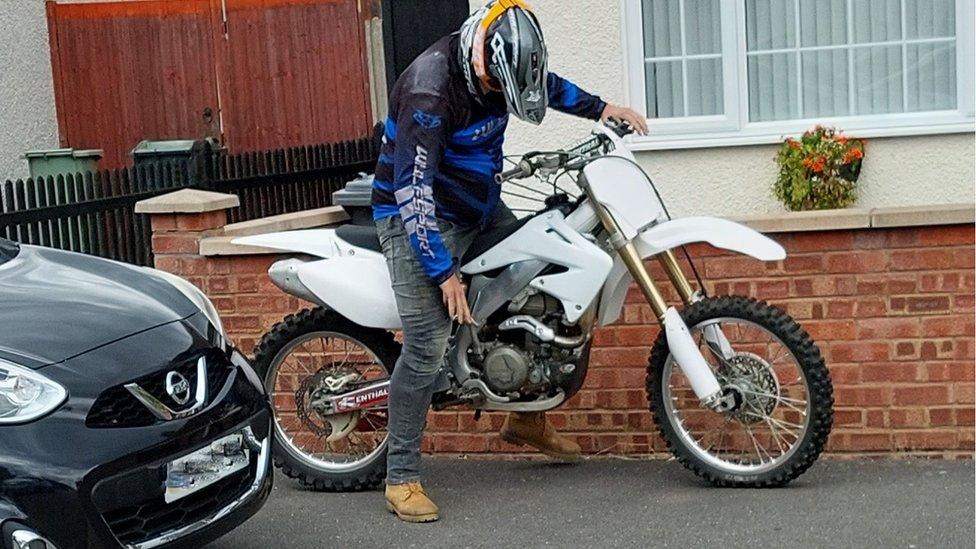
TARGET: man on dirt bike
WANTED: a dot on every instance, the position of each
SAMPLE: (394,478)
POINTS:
(434,192)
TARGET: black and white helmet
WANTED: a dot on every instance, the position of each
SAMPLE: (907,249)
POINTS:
(502,49)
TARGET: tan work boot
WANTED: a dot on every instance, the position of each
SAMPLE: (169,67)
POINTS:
(410,503)
(533,429)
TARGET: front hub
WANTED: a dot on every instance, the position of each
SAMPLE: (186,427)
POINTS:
(750,386)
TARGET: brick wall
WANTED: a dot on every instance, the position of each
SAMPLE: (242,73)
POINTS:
(892,311)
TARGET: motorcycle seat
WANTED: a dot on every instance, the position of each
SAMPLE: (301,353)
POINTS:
(361,236)
(489,239)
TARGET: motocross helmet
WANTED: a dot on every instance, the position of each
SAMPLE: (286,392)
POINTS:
(502,49)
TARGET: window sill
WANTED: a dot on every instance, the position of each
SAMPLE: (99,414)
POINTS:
(862,218)
(768,134)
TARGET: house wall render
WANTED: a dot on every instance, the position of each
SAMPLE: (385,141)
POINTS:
(27,115)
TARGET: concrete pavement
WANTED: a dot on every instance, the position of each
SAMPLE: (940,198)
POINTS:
(621,503)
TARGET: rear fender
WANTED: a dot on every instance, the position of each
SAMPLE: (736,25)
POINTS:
(720,233)
(352,281)
(356,286)
(317,242)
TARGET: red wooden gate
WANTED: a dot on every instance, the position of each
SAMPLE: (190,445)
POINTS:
(259,73)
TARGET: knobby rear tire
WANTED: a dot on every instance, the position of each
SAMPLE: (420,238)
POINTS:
(808,357)
(380,342)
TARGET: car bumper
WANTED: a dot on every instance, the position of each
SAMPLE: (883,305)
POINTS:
(79,486)
(227,517)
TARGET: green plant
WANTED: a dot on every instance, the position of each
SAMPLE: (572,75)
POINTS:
(819,171)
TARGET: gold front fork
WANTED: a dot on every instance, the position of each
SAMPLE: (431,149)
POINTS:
(677,276)
(632,259)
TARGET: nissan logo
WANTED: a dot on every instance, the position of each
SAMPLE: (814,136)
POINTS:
(178,387)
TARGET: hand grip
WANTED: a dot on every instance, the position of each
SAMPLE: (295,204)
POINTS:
(524,169)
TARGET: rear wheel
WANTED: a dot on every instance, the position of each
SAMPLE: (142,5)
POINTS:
(312,354)
(782,392)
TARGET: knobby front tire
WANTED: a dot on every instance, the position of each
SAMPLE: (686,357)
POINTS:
(819,392)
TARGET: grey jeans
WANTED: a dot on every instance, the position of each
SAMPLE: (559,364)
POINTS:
(426,331)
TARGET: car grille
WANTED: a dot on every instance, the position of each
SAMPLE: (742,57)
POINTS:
(151,518)
(117,407)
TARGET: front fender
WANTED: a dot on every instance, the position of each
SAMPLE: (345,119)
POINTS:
(720,233)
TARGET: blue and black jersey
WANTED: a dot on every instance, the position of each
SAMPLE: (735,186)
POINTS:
(442,148)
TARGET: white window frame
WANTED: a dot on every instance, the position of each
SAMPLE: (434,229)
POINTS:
(734,128)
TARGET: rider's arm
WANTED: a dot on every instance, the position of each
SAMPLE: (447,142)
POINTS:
(422,128)
(571,99)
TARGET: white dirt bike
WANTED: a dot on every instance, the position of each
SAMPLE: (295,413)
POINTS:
(738,389)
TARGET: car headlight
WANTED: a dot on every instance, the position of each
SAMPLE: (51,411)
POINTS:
(197,297)
(26,395)
(28,539)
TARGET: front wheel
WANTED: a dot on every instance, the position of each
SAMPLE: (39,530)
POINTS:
(783,397)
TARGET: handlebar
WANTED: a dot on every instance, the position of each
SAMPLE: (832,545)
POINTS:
(531,162)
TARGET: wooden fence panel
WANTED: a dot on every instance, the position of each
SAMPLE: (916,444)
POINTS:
(127,71)
(290,72)
(293,72)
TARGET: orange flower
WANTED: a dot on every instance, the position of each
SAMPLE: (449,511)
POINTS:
(815,164)
(793,143)
(818,165)
(852,155)
(842,139)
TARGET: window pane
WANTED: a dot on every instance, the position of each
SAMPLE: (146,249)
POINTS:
(772,87)
(770,24)
(877,80)
(664,89)
(825,83)
(931,76)
(703,27)
(876,20)
(705,87)
(662,28)
(823,22)
(930,18)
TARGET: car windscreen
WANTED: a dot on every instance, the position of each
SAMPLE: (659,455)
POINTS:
(8,250)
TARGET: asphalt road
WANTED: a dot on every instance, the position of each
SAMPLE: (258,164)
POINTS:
(617,503)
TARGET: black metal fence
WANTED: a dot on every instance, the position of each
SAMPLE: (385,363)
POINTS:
(93,212)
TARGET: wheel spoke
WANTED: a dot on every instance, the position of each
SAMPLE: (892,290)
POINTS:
(785,425)
(772,429)
(785,400)
(756,444)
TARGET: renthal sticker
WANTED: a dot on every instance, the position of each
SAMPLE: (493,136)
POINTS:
(353,402)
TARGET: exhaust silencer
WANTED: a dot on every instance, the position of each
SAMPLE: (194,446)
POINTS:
(284,274)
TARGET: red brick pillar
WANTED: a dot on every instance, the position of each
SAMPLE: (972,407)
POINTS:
(189,240)
(180,220)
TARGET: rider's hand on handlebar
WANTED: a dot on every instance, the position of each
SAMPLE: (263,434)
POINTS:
(456,300)
(632,117)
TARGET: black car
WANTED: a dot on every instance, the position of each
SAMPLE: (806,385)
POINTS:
(126,417)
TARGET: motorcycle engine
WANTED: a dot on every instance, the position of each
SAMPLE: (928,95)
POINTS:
(515,362)
(507,368)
